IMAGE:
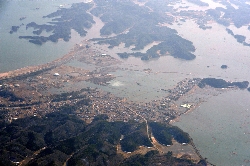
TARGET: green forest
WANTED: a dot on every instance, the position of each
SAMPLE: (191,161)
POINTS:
(59,137)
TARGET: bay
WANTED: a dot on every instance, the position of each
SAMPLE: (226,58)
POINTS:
(220,128)
(16,53)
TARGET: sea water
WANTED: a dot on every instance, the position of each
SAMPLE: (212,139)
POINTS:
(220,128)
(17,53)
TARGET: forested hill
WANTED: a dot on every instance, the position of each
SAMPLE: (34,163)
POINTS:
(59,137)
(138,24)
(128,22)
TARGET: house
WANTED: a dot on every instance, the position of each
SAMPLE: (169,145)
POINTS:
(56,74)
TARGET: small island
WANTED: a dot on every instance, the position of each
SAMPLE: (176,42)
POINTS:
(223,66)
(14,29)
(132,24)
(220,83)
(63,20)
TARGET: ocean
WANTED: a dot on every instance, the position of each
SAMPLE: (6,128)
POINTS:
(17,53)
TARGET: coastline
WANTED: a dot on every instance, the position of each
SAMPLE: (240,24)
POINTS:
(190,97)
(29,70)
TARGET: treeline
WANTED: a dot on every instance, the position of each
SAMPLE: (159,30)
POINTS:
(14,29)
(162,6)
(59,136)
(26,75)
(63,21)
(168,46)
(239,16)
(165,133)
(70,96)
(23,137)
(23,105)
(154,158)
(141,24)
(220,83)
(198,2)
(8,94)
(239,38)
(3,114)
(137,26)
(133,138)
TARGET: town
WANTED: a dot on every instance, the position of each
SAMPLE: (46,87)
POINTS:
(57,85)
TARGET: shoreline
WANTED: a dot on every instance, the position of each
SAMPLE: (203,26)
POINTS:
(29,70)
(72,54)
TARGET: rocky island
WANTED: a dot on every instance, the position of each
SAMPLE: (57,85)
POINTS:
(140,28)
